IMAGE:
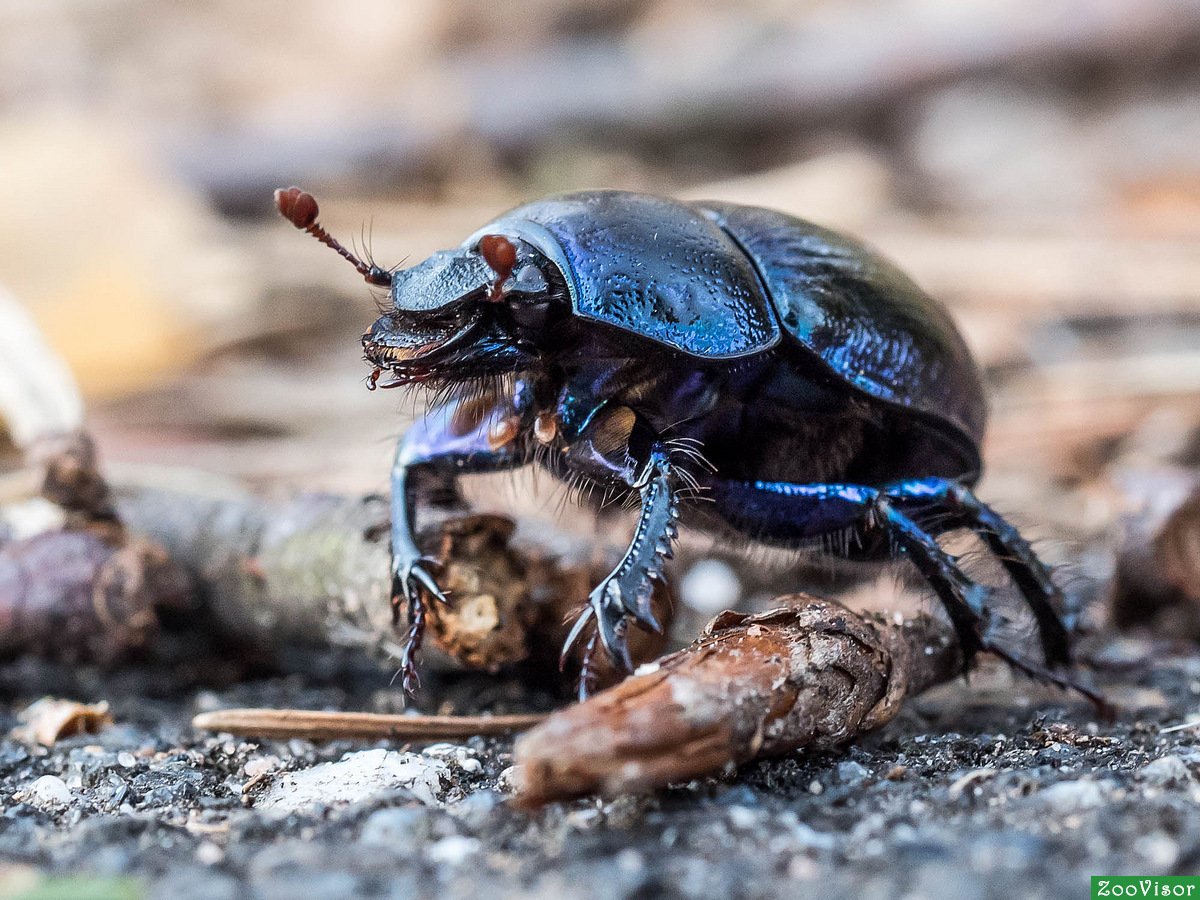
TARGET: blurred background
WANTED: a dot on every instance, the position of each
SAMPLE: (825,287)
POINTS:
(1035,165)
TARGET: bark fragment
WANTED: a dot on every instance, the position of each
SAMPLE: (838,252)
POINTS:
(49,720)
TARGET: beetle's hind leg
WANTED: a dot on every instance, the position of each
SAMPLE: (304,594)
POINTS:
(955,506)
(790,514)
(964,600)
(793,514)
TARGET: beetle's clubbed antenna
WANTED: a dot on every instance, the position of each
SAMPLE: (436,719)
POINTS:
(300,208)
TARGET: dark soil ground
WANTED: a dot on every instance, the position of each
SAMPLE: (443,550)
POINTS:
(994,789)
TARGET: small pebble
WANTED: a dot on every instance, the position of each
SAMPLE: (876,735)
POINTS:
(743,817)
(630,861)
(393,827)
(506,781)
(453,850)
(261,765)
(50,790)
(1160,851)
(1074,796)
(209,854)
(1167,770)
(852,772)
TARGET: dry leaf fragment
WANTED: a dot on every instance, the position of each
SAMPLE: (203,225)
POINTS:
(49,720)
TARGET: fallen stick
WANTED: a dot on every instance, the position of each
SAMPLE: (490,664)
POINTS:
(809,674)
(87,591)
(283,724)
(311,570)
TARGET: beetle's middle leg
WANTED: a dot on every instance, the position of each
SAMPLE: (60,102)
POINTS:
(627,591)
(451,440)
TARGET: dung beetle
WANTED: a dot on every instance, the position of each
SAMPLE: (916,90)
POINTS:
(732,368)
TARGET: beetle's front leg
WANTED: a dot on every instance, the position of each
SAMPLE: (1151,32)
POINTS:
(626,593)
(451,440)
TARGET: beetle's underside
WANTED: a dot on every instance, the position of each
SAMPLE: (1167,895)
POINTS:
(815,472)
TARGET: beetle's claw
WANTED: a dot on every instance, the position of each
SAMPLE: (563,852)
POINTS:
(630,594)
(581,622)
(408,580)
(415,573)
(612,621)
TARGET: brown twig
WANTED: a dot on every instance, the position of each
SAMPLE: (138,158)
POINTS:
(809,674)
(283,724)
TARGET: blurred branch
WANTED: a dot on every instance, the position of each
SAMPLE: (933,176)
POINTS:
(1157,577)
(680,78)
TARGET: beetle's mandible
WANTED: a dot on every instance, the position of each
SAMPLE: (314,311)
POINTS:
(667,352)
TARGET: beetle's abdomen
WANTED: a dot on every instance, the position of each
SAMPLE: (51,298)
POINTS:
(652,267)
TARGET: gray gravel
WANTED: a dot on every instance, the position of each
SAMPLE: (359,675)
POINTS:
(997,788)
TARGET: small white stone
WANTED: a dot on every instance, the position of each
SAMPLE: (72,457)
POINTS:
(453,850)
(391,826)
(209,854)
(260,765)
(742,817)
(356,777)
(630,861)
(1166,769)
(50,790)
(1158,850)
(1074,796)
(506,781)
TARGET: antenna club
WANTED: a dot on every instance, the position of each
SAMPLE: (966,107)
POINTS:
(297,206)
(501,256)
(300,208)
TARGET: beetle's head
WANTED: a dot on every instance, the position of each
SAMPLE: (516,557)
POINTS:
(479,310)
